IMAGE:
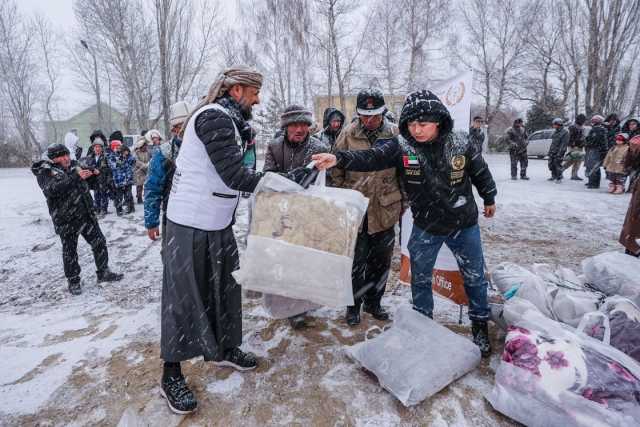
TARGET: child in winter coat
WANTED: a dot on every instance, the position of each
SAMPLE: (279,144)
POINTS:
(614,164)
(143,157)
(96,160)
(122,164)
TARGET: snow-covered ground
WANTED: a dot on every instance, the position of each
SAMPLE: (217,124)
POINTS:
(90,359)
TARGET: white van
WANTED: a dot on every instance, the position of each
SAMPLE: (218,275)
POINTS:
(539,143)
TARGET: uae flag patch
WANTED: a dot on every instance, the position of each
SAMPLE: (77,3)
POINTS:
(410,160)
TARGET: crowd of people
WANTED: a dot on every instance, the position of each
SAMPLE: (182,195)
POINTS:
(191,184)
(603,145)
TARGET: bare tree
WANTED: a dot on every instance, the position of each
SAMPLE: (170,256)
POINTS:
(344,52)
(185,47)
(123,38)
(17,67)
(386,40)
(612,30)
(423,22)
(49,51)
(495,29)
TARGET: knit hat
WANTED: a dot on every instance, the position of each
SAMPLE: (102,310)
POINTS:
(426,106)
(622,136)
(97,134)
(57,150)
(295,114)
(597,119)
(151,134)
(116,136)
(115,144)
(179,113)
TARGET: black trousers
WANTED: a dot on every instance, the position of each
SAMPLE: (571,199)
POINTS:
(124,196)
(91,232)
(519,158)
(555,166)
(592,163)
(201,302)
(371,264)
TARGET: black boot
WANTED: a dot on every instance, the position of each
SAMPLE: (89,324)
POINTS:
(180,399)
(576,178)
(353,315)
(514,178)
(75,285)
(109,276)
(524,177)
(377,311)
(297,322)
(480,332)
(239,360)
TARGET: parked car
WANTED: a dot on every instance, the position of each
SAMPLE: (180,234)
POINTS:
(539,143)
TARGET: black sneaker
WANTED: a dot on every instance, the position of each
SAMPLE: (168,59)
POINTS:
(480,332)
(75,286)
(576,178)
(525,178)
(180,399)
(551,179)
(297,322)
(377,311)
(239,360)
(109,276)
(353,315)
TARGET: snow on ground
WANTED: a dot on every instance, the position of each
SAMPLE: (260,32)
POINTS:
(86,360)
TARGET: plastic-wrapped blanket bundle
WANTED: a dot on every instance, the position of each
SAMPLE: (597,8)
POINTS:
(614,273)
(416,357)
(551,375)
(301,242)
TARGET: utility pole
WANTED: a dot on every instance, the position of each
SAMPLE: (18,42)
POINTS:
(96,83)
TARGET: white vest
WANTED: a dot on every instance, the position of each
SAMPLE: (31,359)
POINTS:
(199,198)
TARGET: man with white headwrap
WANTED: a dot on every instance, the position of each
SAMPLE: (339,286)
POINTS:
(201,302)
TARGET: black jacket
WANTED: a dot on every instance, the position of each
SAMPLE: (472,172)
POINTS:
(104,180)
(597,140)
(518,141)
(559,142)
(68,198)
(437,178)
(215,129)
(576,136)
(476,137)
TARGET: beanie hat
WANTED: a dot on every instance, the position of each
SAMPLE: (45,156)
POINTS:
(97,134)
(116,136)
(115,144)
(558,121)
(425,105)
(370,102)
(295,114)
(57,150)
(597,119)
(178,113)
(151,134)
(622,136)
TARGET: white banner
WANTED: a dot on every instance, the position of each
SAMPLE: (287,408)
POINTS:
(455,93)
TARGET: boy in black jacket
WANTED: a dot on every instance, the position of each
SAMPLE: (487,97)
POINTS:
(438,168)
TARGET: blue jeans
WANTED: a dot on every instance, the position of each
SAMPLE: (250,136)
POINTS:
(466,246)
(100,201)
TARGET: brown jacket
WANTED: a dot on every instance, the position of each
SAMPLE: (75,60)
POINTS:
(382,188)
(614,162)
(142,163)
(630,234)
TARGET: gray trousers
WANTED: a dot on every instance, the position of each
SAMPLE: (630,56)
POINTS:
(201,302)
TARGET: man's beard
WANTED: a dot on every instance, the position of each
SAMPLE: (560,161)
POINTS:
(245,110)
